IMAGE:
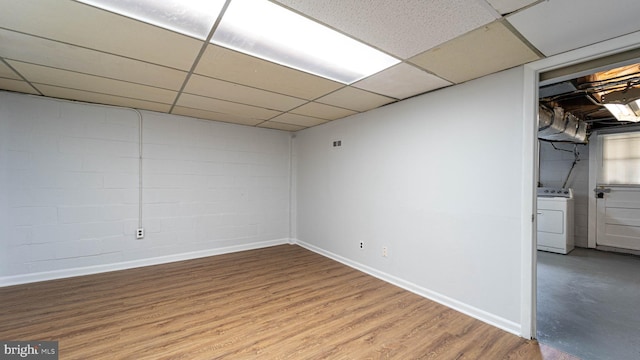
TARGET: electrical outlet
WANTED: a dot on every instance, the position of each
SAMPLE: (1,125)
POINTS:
(140,233)
(361,245)
(384,251)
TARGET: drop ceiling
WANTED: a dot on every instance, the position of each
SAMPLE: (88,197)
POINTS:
(67,49)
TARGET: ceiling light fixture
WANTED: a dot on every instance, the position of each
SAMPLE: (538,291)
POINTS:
(263,29)
(625,112)
(623,104)
(619,91)
(189,17)
(271,32)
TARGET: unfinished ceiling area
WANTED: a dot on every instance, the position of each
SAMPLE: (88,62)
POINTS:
(71,50)
(593,98)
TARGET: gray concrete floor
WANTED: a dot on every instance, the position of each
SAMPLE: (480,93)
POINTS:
(589,304)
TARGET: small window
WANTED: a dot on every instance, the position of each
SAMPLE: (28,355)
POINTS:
(621,159)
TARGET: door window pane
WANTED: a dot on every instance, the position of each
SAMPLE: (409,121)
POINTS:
(621,159)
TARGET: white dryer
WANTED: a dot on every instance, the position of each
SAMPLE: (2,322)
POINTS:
(555,220)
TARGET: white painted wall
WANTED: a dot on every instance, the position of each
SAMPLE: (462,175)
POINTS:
(554,168)
(436,179)
(4,192)
(69,188)
(412,176)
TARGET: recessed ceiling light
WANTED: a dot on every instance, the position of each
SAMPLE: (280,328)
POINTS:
(193,18)
(271,32)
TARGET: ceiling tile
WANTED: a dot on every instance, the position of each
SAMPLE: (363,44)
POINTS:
(225,64)
(479,48)
(83,25)
(223,90)
(300,120)
(401,81)
(355,99)
(508,6)
(63,78)
(558,26)
(225,107)
(40,51)
(16,85)
(5,71)
(212,115)
(64,93)
(280,126)
(392,25)
(322,111)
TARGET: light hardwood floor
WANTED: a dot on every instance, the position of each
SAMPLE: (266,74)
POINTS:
(282,302)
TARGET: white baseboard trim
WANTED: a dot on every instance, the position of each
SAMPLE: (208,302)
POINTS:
(466,309)
(89,270)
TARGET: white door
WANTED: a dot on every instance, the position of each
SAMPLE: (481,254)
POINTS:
(618,191)
(618,217)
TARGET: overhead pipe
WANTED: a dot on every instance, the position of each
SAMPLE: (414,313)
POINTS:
(558,125)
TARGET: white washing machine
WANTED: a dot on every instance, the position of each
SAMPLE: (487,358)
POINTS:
(555,220)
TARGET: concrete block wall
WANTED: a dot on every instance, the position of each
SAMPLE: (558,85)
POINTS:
(554,168)
(69,197)
(213,185)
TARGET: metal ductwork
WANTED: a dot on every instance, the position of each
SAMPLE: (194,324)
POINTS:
(558,125)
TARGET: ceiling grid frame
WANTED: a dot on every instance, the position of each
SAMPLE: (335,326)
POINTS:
(5,63)
(238,81)
(201,52)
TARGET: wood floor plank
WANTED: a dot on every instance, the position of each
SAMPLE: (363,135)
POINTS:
(282,302)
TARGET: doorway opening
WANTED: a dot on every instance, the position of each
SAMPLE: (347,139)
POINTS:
(585,297)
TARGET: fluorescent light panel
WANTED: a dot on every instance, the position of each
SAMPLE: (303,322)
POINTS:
(271,32)
(193,18)
(263,29)
(625,112)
